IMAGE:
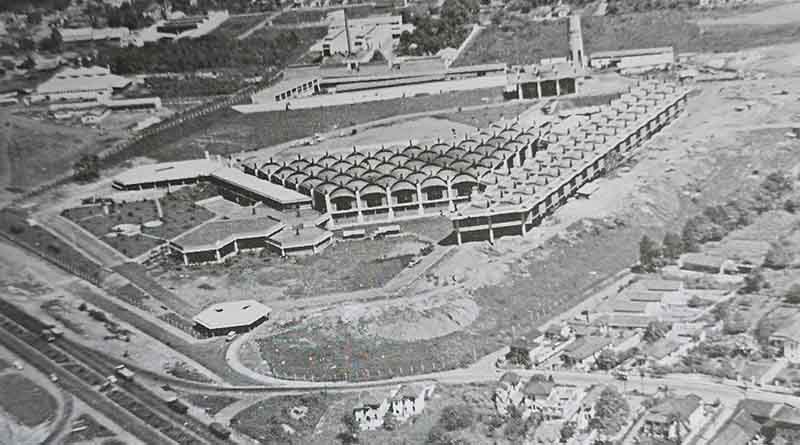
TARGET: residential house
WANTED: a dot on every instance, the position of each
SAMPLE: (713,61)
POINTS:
(410,400)
(372,409)
(740,429)
(788,339)
(700,262)
(558,332)
(535,392)
(562,402)
(674,418)
(507,393)
(586,407)
(583,352)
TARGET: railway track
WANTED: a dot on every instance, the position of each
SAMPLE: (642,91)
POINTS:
(137,409)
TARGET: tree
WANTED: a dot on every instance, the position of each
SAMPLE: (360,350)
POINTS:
(754,282)
(791,205)
(519,356)
(655,331)
(779,255)
(87,168)
(390,421)
(52,43)
(649,253)
(606,359)
(792,296)
(734,324)
(672,246)
(777,184)
(34,18)
(611,412)
(698,230)
(568,429)
(456,417)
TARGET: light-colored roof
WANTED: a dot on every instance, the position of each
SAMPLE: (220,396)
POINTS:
(682,407)
(790,330)
(236,177)
(661,285)
(631,52)
(216,234)
(92,78)
(585,347)
(308,236)
(627,306)
(646,296)
(231,314)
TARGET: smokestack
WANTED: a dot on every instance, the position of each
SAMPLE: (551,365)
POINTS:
(347,32)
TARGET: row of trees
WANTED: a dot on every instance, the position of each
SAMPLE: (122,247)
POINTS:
(264,49)
(433,34)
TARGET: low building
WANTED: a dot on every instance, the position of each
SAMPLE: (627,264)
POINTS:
(410,400)
(93,83)
(699,262)
(584,351)
(371,411)
(538,81)
(674,418)
(238,316)
(215,241)
(740,429)
(633,59)
(120,36)
(300,241)
(788,339)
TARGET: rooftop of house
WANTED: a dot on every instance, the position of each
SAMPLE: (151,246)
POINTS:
(738,430)
(661,348)
(683,407)
(585,347)
(511,378)
(307,236)
(231,314)
(660,285)
(538,388)
(702,259)
(82,79)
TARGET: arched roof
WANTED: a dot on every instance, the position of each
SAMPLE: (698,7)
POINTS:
(468,144)
(341,178)
(411,150)
(525,138)
(514,146)
(473,156)
(327,174)
(343,192)
(456,152)
(444,160)
(270,165)
(341,165)
(326,160)
(300,164)
(357,183)
(383,153)
(433,181)
(447,172)
(370,162)
(402,172)
(417,177)
(314,169)
(385,181)
(489,162)
(327,187)
(481,171)
(414,164)
(402,185)
(439,147)
(428,155)
(355,156)
(311,183)
(399,159)
(485,149)
(371,175)
(430,169)
(356,171)
(372,189)
(284,171)
(461,164)
(386,168)
(297,177)
(463,178)
(496,141)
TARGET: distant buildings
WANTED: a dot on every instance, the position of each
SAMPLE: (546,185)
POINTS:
(118,36)
(93,83)
(354,36)
(403,403)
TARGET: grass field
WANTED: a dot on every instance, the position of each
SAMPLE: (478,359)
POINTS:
(212,404)
(180,215)
(27,402)
(235,26)
(264,421)
(230,132)
(518,41)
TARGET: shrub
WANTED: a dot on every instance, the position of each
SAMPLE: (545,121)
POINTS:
(792,296)
(779,255)
(456,417)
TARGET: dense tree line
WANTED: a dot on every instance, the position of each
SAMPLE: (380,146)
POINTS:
(129,14)
(30,5)
(264,49)
(433,34)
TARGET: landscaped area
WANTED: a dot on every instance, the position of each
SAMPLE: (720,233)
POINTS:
(28,403)
(283,420)
(134,228)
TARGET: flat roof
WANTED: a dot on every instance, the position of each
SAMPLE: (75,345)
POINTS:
(231,314)
(215,234)
(277,193)
(308,236)
(167,171)
(631,52)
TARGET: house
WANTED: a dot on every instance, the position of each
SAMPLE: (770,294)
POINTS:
(674,418)
(558,332)
(370,412)
(740,429)
(699,262)
(583,352)
(586,407)
(553,401)
(788,339)
(410,400)
(507,393)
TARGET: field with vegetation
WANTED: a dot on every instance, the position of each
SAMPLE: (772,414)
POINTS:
(265,421)
(264,49)
(235,26)
(27,402)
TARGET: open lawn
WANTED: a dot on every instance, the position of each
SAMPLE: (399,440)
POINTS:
(27,402)
(519,41)
(266,421)
(230,132)
(211,404)
(345,266)
(179,215)
(235,26)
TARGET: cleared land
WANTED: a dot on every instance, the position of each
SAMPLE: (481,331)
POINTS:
(511,40)
(283,419)
(27,402)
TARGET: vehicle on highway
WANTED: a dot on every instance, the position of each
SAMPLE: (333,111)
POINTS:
(124,372)
(176,405)
(621,376)
(219,430)
(108,383)
(53,378)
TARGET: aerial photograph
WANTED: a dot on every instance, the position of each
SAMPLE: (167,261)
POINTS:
(400,222)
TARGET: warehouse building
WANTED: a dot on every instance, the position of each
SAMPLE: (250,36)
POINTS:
(231,316)
(93,83)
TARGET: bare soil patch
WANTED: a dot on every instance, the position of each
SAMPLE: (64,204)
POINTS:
(25,401)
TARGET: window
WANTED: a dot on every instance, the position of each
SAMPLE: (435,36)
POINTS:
(435,194)
(405,197)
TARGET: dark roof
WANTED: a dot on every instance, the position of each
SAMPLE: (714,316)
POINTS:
(682,406)
(585,347)
(538,388)
(738,430)
(510,377)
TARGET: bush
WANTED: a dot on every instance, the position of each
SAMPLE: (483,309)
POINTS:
(456,417)
(792,296)
(779,255)
(754,282)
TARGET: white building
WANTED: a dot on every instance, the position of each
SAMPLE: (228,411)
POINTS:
(788,338)
(93,83)
(357,35)
(120,36)
(633,59)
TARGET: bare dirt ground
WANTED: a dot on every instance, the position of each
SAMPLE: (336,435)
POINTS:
(776,15)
